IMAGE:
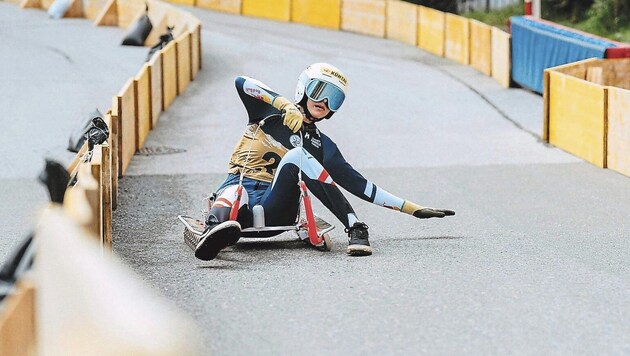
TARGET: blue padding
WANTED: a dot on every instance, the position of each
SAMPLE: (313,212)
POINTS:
(537,46)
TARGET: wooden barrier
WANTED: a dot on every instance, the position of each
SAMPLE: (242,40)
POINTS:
(402,21)
(481,47)
(112,123)
(364,16)
(431,27)
(169,74)
(457,39)
(155,78)
(142,89)
(320,13)
(87,304)
(93,8)
(17,321)
(159,21)
(279,10)
(501,60)
(183,2)
(124,108)
(618,145)
(108,15)
(229,6)
(195,51)
(577,112)
(129,11)
(184,72)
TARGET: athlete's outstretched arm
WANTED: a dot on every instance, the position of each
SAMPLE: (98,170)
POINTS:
(261,101)
(352,181)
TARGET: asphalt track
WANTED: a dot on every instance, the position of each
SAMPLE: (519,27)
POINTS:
(535,261)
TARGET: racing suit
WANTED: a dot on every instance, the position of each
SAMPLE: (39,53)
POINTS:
(271,156)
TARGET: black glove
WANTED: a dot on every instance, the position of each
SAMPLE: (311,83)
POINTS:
(426,213)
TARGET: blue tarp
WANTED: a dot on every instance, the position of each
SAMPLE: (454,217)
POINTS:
(537,46)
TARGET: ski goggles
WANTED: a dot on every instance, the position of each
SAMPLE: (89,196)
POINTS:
(318,90)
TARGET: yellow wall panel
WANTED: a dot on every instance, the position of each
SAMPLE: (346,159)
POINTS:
(402,21)
(431,30)
(143,105)
(182,2)
(320,13)
(364,16)
(481,47)
(501,61)
(155,69)
(457,36)
(619,130)
(577,117)
(169,74)
(270,9)
(183,62)
(127,127)
(230,6)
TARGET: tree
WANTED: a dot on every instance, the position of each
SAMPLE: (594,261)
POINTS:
(573,10)
(610,15)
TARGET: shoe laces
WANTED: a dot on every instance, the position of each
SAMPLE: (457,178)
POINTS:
(357,225)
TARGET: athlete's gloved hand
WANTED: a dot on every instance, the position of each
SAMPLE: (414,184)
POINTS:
(426,213)
(291,114)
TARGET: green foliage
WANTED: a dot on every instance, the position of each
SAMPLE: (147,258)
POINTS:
(497,18)
(611,15)
(572,10)
(442,5)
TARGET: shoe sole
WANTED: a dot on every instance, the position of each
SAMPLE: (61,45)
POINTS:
(359,250)
(224,234)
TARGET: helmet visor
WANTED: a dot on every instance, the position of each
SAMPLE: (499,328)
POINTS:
(318,90)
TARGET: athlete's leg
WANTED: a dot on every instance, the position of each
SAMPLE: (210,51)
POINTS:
(282,198)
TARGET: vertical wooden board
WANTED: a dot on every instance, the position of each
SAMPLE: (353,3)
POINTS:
(431,25)
(46,3)
(402,21)
(182,46)
(17,321)
(364,16)
(127,127)
(195,51)
(279,10)
(320,13)
(501,59)
(619,130)
(106,195)
(30,4)
(129,11)
(577,117)
(457,36)
(159,22)
(229,6)
(143,105)
(14,1)
(155,69)
(615,72)
(169,74)
(178,19)
(75,10)
(481,47)
(93,8)
(108,15)
(112,123)
(96,225)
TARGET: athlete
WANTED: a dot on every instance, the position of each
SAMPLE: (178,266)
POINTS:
(282,136)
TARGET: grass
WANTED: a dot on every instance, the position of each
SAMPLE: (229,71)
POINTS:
(499,18)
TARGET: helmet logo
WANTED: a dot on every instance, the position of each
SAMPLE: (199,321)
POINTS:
(332,73)
(295,140)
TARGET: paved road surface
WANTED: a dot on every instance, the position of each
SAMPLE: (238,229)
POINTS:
(53,74)
(535,261)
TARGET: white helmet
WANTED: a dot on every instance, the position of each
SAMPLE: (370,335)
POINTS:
(322,81)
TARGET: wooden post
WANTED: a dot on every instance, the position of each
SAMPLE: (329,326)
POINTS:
(17,321)
(106,196)
(108,16)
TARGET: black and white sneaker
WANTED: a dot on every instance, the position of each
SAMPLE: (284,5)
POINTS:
(216,237)
(358,241)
